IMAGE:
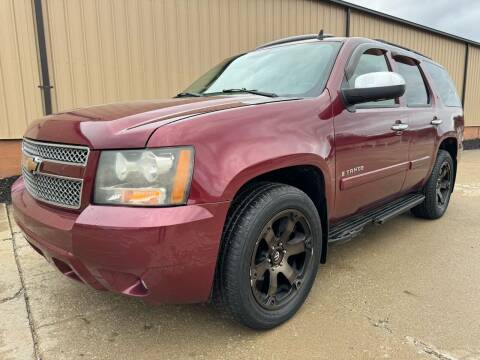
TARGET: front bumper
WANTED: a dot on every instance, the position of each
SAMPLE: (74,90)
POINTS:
(164,255)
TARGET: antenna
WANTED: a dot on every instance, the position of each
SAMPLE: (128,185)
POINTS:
(322,35)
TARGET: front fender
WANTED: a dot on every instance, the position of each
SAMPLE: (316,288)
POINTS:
(255,170)
(236,145)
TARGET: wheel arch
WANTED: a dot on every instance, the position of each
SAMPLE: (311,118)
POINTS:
(450,144)
(309,178)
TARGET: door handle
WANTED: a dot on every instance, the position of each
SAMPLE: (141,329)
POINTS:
(400,127)
(436,121)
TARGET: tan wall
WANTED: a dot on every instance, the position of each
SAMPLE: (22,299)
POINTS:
(20,97)
(472,98)
(449,53)
(110,50)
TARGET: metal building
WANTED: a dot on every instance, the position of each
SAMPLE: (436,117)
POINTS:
(63,54)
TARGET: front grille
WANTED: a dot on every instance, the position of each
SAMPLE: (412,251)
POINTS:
(56,190)
(70,154)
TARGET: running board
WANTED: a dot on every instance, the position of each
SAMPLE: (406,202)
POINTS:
(347,229)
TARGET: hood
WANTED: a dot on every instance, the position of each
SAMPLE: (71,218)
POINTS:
(130,124)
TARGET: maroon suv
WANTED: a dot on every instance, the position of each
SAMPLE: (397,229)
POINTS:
(232,191)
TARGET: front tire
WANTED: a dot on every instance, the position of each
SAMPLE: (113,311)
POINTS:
(271,254)
(438,188)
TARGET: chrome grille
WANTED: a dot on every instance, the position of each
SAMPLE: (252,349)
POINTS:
(52,189)
(69,154)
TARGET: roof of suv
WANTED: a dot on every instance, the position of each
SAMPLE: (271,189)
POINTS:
(321,37)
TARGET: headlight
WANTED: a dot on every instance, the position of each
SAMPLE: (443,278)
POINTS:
(147,177)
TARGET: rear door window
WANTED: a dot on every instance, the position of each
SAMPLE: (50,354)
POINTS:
(416,91)
(443,84)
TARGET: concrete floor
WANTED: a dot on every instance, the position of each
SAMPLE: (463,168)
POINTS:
(409,289)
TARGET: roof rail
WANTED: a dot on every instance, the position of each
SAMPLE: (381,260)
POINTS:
(319,36)
(402,47)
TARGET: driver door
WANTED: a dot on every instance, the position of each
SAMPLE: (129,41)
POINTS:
(371,157)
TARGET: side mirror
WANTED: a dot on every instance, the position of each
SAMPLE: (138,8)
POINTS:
(375,86)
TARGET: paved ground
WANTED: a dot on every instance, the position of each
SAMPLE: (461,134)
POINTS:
(407,290)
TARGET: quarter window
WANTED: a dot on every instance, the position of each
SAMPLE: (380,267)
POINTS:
(443,85)
(416,91)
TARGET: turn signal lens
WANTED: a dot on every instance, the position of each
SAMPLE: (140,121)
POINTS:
(182,178)
(144,197)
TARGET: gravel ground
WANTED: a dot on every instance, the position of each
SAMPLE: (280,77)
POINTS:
(5,185)
(471,144)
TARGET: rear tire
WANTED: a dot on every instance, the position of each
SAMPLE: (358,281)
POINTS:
(438,188)
(271,252)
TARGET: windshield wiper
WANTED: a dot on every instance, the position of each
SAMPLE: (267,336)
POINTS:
(188,94)
(255,92)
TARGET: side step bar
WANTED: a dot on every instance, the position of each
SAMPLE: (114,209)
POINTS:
(347,229)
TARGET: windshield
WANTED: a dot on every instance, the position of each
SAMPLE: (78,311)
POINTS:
(298,70)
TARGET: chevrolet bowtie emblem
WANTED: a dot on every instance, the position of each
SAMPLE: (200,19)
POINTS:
(31,164)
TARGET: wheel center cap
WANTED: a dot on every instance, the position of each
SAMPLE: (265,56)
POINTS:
(276,256)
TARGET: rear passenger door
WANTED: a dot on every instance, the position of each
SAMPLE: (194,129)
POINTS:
(421,133)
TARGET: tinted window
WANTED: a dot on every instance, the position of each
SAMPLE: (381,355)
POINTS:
(443,85)
(369,62)
(293,70)
(416,91)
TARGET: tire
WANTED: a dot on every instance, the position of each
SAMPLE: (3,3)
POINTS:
(270,255)
(435,204)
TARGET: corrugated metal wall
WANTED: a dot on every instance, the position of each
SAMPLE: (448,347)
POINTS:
(472,98)
(103,51)
(20,99)
(110,50)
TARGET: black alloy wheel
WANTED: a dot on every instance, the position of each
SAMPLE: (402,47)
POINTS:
(281,257)
(438,188)
(444,184)
(271,249)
